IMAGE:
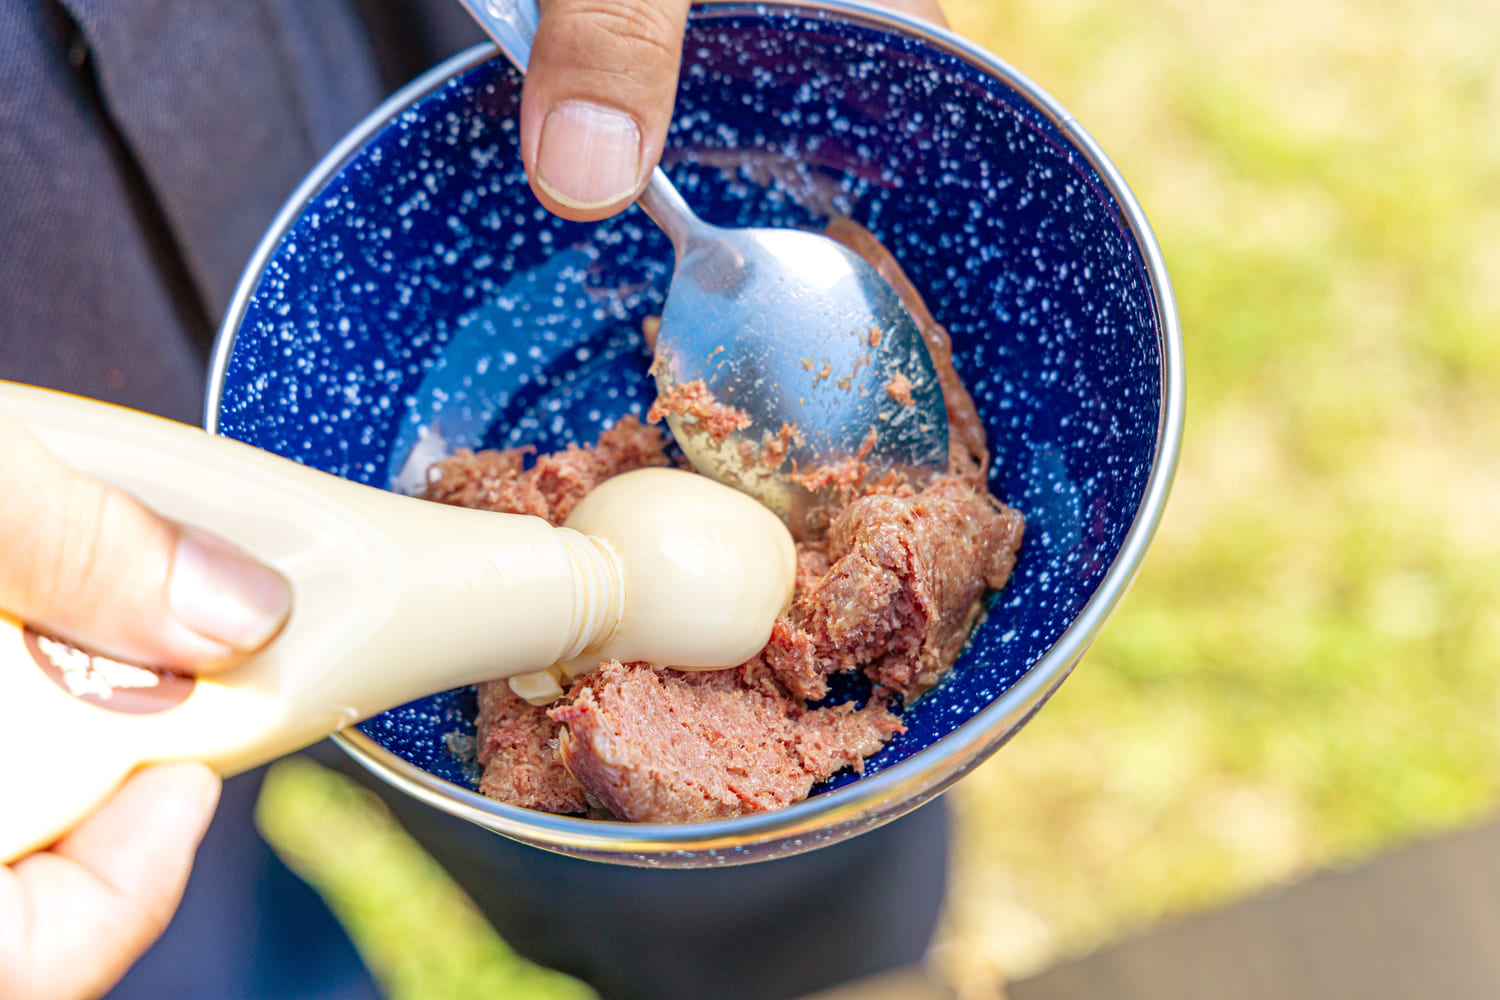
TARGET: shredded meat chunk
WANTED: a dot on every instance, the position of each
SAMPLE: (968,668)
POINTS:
(706,414)
(664,746)
(905,584)
(899,389)
(498,480)
(517,744)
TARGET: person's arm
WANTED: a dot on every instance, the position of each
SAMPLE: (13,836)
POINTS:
(86,562)
(598,98)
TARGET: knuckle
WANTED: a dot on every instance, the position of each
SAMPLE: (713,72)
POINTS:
(155,913)
(637,35)
(102,546)
(77,548)
(71,546)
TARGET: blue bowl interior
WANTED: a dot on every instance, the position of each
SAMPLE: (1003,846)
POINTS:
(422,287)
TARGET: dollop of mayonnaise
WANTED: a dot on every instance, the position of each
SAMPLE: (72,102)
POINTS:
(705,569)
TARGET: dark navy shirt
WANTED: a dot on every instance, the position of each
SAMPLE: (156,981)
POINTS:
(145,146)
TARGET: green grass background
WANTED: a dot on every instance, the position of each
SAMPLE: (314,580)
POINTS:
(1308,669)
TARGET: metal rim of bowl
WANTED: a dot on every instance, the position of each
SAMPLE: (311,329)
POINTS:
(904,785)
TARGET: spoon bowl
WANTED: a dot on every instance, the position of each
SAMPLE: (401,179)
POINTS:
(827,354)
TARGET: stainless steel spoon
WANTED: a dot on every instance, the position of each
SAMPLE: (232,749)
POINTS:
(805,343)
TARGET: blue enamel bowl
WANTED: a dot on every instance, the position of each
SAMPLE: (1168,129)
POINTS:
(413,285)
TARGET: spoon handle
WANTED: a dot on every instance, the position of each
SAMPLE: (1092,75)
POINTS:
(665,206)
(511,23)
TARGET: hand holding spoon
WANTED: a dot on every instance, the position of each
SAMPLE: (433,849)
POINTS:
(785,329)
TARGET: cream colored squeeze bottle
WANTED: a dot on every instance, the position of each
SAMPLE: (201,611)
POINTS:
(395,598)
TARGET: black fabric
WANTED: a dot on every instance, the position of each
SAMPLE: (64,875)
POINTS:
(145,146)
(409,36)
(227,105)
(768,931)
(83,303)
(248,928)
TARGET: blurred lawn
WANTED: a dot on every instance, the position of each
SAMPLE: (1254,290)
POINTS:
(1308,669)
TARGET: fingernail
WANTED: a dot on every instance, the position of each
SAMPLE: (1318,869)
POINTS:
(221,593)
(589,156)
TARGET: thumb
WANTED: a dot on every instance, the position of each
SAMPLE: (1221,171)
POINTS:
(87,562)
(598,100)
